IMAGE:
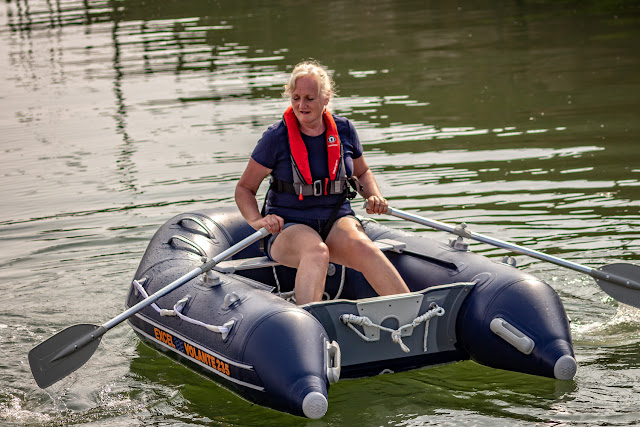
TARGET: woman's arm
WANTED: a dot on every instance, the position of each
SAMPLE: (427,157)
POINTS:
(245,196)
(370,189)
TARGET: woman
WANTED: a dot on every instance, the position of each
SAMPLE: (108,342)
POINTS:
(310,155)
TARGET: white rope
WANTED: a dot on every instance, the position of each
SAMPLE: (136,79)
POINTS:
(290,296)
(275,275)
(177,312)
(287,296)
(341,283)
(396,334)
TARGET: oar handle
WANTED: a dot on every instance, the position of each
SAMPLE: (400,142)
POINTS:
(242,244)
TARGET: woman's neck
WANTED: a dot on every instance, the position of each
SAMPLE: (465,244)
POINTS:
(314,130)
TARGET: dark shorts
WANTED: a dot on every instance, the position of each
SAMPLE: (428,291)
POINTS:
(316,224)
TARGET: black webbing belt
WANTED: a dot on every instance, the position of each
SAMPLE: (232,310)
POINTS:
(350,192)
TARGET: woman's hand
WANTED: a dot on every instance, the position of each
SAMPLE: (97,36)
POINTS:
(273,223)
(370,191)
(245,196)
(377,205)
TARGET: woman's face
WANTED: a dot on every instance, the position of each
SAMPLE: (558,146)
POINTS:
(307,103)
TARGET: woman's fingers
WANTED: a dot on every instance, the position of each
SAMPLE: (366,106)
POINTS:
(377,204)
(273,223)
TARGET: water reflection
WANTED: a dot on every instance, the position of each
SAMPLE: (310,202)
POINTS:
(446,116)
(517,117)
(126,165)
(485,107)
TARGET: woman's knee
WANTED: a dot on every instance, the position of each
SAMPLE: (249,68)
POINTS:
(358,253)
(361,246)
(296,243)
(318,252)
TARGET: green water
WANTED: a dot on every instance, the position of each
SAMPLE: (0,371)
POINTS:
(520,118)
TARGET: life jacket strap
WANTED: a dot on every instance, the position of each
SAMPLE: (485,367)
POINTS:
(349,193)
(318,188)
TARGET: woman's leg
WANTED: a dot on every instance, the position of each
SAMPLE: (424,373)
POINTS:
(301,247)
(350,246)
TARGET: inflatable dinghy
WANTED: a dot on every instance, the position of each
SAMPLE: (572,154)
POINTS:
(238,325)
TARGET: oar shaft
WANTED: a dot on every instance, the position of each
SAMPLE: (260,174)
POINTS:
(461,231)
(242,244)
(153,298)
(187,277)
(86,339)
(599,274)
(63,353)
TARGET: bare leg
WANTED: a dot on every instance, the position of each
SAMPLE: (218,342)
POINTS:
(350,246)
(301,247)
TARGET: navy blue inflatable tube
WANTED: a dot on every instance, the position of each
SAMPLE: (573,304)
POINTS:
(291,363)
(531,313)
(274,354)
(525,311)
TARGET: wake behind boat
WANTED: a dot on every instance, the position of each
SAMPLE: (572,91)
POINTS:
(237,325)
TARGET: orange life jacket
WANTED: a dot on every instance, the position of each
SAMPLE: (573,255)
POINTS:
(303,183)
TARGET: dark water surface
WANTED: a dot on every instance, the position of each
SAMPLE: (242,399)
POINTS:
(521,118)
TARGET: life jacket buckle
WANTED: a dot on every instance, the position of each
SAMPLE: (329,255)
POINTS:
(318,188)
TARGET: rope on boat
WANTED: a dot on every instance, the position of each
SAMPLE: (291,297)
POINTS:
(177,312)
(287,296)
(396,334)
(344,270)
(290,296)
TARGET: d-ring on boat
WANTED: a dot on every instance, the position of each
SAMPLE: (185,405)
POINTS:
(236,325)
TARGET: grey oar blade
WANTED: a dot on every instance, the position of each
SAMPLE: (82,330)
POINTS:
(59,355)
(68,350)
(626,294)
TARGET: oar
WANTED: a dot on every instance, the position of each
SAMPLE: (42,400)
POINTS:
(69,349)
(620,280)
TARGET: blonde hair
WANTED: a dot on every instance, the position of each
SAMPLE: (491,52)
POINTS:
(311,68)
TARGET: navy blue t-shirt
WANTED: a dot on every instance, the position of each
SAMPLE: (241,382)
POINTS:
(272,151)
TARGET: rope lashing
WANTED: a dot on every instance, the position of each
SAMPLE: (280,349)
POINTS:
(396,334)
(177,312)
